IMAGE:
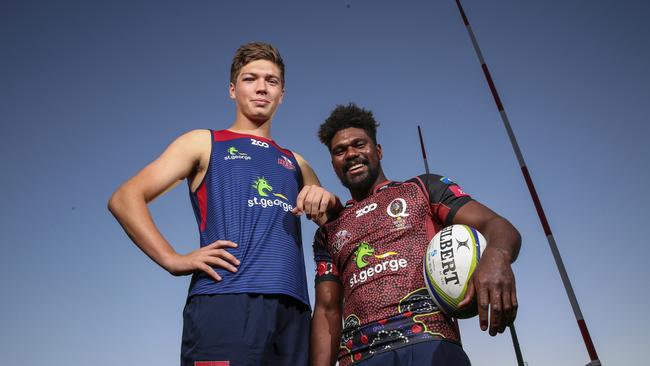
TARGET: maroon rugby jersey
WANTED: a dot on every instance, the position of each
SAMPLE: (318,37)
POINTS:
(375,248)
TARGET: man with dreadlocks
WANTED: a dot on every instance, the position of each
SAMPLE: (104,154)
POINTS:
(369,260)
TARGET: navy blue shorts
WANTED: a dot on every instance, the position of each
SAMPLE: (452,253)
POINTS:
(433,353)
(245,330)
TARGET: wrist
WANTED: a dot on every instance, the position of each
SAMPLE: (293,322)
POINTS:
(167,261)
(502,253)
(335,207)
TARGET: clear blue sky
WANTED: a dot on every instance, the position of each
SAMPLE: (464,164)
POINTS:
(90,92)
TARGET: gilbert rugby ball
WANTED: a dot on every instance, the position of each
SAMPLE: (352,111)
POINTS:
(449,262)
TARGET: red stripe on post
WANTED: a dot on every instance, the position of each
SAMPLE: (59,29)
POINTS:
(493,88)
(462,13)
(538,204)
(587,338)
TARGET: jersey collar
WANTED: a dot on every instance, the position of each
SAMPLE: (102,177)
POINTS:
(379,187)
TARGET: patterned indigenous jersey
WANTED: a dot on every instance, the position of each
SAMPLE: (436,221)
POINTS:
(375,248)
(249,189)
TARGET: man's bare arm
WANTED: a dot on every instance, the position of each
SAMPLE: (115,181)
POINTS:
(326,324)
(493,282)
(185,157)
(313,200)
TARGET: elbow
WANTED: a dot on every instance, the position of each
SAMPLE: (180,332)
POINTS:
(515,240)
(116,202)
(333,312)
(112,203)
(500,230)
(517,237)
(517,244)
(328,310)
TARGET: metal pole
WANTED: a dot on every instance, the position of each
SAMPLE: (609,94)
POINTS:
(513,333)
(515,344)
(533,193)
(424,153)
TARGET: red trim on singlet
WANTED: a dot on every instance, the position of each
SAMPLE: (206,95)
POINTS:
(202,197)
(225,135)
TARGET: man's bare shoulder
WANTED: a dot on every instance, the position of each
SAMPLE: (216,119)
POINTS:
(304,164)
(298,157)
(308,173)
(195,144)
(196,137)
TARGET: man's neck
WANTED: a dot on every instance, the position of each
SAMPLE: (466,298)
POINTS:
(364,193)
(246,126)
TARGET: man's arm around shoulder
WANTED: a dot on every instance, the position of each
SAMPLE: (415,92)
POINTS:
(313,200)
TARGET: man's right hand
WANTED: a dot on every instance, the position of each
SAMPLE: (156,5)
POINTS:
(203,259)
(316,202)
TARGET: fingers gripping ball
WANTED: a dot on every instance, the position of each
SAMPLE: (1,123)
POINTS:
(449,262)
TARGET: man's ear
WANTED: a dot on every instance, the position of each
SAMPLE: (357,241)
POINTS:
(231,91)
(379,151)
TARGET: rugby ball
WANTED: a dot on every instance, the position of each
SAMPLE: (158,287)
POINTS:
(449,262)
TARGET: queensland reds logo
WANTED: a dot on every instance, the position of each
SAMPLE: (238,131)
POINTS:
(285,162)
(397,210)
(341,238)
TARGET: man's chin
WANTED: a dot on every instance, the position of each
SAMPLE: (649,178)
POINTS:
(357,183)
(260,118)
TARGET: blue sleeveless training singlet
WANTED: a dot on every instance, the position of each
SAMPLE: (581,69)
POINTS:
(246,197)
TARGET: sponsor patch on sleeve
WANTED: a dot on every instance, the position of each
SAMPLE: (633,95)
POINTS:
(446,180)
(457,191)
(326,268)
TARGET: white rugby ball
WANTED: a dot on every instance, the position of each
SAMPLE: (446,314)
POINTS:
(449,262)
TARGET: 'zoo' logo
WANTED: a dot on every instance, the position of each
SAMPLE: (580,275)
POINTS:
(366,209)
(259,143)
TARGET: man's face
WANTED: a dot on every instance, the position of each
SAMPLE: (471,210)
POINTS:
(355,158)
(258,90)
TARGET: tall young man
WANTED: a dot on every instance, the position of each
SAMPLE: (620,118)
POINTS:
(371,255)
(247,301)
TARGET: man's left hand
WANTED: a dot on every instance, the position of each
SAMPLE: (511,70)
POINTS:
(493,285)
